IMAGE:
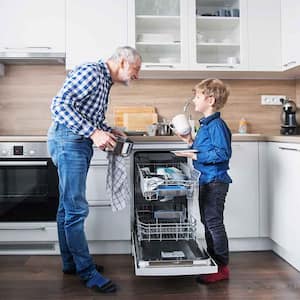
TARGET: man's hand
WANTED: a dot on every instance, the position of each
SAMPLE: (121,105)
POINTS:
(118,132)
(103,139)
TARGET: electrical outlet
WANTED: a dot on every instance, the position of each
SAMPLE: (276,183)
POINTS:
(271,99)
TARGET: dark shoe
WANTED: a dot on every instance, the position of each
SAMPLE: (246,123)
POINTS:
(222,274)
(108,287)
(99,268)
(100,284)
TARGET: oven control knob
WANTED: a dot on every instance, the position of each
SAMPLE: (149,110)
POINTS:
(31,152)
(4,152)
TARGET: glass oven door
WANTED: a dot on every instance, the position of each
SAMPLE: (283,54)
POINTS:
(28,190)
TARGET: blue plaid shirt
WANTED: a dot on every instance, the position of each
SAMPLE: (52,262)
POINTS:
(213,142)
(82,102)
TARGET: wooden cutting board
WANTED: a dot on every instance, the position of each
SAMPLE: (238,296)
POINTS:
(119,111)
(139,121)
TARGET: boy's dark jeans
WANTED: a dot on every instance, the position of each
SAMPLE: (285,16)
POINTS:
(211,201)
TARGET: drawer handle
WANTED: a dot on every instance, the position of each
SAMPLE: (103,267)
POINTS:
(289,149)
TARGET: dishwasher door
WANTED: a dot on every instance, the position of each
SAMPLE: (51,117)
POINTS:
(171,258)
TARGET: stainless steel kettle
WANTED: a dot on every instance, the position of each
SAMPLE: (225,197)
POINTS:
(163,129)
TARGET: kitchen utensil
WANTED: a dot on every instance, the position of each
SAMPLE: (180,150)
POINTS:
(163,129)
(139,121)
(118,112)
(151,130)
(180,124)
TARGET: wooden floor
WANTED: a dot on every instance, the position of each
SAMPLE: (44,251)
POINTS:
(254,275)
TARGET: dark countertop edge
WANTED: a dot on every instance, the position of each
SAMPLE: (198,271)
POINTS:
(168,139)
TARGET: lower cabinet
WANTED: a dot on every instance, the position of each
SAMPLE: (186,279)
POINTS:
(102,224)
(241,215)
(284,172)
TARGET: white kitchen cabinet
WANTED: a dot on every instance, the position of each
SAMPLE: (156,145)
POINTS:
(218,35)
(32,25)
(264,39)
(102,224)
(290,30)
(284,172)
(94,29)
(158,30)
(241,215)
(96,182)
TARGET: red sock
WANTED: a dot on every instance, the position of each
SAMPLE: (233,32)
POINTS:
(222,274)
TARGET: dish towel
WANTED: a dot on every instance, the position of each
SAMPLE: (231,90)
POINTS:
(117,185)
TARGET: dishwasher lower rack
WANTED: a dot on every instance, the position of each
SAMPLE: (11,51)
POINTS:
(155,186)
(154,229)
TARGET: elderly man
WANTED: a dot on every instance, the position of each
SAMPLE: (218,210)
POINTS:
(78,114)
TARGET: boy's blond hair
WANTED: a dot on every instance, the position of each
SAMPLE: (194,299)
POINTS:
(216,88)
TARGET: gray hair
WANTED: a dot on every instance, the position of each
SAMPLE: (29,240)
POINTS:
(128,53)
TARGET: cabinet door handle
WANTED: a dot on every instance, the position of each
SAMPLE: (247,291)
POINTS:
(28,48)
(290,63)
(160,66)
(221,66)
(95,164)
(289,149)
(99,205)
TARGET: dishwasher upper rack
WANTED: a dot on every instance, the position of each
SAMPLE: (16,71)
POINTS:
(150,229)
(167,187)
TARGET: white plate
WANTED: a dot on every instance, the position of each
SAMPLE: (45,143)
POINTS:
(185,151)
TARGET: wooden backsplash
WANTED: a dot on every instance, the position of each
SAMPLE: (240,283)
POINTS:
(26,93)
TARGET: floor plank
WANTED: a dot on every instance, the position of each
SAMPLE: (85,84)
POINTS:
(254,275)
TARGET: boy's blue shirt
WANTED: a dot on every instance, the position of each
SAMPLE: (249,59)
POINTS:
(213,142)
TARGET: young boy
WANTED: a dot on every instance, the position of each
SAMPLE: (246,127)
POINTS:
(213,145)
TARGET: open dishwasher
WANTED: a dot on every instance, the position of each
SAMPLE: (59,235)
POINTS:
(166,217)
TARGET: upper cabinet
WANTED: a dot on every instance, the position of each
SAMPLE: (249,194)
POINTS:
(218,34)
(95,28)
(264,39)
(32,25)
(290,29)
(158,30)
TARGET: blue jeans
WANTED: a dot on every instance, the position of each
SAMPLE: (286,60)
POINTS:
(71,154)
(211,200)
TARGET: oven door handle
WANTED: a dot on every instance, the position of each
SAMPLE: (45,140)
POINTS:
(38,228)
(23,163)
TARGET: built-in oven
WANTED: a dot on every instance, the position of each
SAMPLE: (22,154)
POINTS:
(28,183)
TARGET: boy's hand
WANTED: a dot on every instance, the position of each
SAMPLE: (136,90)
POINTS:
(186,138)
(187,154)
